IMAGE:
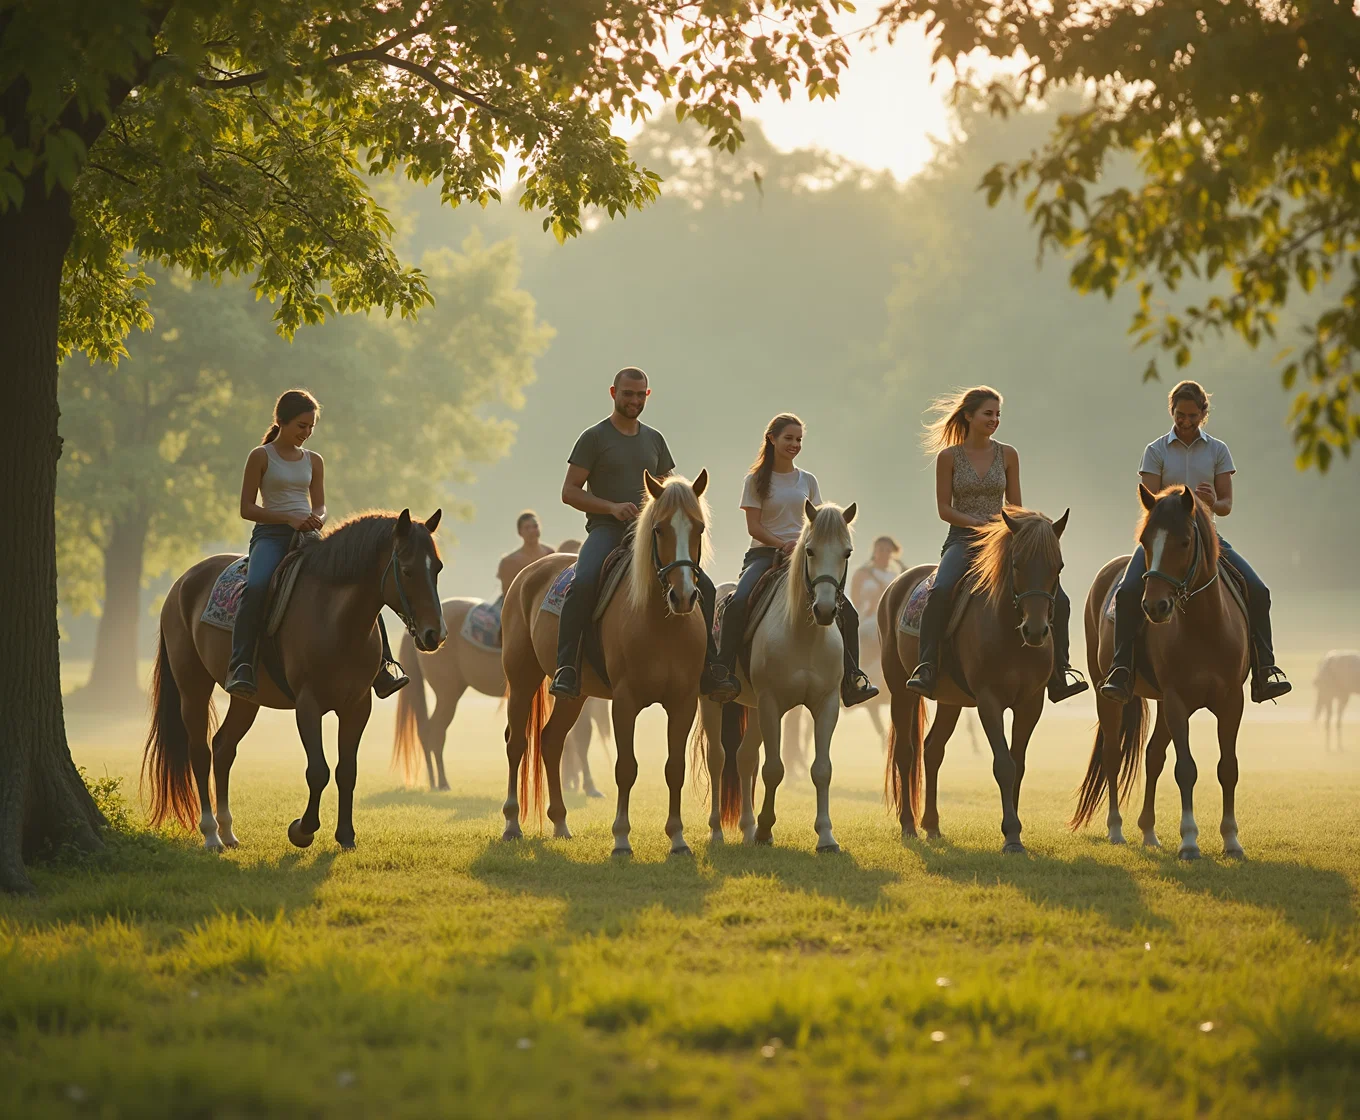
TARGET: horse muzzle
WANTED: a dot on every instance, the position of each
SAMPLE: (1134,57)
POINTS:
(1034,636)
(429,639)
(1159,611)
(679,602)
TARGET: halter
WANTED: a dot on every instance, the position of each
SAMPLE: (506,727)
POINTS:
(663,570)
(1017,597)
(1180,588)
(406,612)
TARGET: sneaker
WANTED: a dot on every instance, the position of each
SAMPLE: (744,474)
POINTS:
(242,682)
(391,679)
(1065,684)
(719,684)
(923,681)
(566,683)
(1118,685)
(857,689)
(1268,684)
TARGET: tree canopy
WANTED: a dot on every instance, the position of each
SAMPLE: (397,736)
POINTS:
(1241,117)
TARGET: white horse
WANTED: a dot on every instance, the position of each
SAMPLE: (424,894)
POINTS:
(797,658)
(1337,677)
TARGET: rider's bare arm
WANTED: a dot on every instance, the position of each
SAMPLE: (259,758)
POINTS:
(1011,458)
(1221,498)
(1152,481)
(759,532)
(574,494)
(317,493)
(944,493)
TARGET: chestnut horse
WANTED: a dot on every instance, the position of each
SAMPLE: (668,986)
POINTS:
(1000,657)
(653,639)
(330,652)
(1199,650)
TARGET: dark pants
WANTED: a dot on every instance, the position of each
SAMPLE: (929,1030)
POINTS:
(755,564)
(585,592)
(1128,611)
(268,547)
(955,559)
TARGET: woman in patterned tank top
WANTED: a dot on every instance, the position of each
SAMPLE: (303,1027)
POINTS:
(975,476)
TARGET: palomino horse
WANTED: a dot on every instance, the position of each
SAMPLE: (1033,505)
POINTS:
(450,671)
(1000,657)
(330,652)
(1199,651)
(797,658)
(1337,677)
(653,641)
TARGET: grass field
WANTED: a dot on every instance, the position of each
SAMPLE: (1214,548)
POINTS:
(438,972)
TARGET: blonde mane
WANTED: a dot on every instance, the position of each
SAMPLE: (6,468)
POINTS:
(829,528)
(677,494)
(998,549)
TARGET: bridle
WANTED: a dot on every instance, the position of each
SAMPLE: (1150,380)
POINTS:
(406,611)
(811,582)
(1180,588)
(1018,597)
(663,570)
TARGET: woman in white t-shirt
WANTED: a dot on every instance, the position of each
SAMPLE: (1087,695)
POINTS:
(773,499)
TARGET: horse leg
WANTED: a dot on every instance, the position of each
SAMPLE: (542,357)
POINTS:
(679,722)
(1178,723)
(823,727)
(876,718)
(1155,761)
(308,712)
(517,708)
(771,721)
(194,704)
(445,708)
(903,712)
(992,715)
(1111,717)
(564,716)
(1023,723)
(588,786)
(748,758)
(792,740)
(946,718)
(1229,720)
(625,769)
(1340,714)
(240,716)
(353,720)
(711,715)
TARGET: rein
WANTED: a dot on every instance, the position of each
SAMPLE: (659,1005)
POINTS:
(406,612)
(1180,588)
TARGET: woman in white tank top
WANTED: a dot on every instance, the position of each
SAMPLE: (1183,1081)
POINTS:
(871,580)
(773,498)
(283,492)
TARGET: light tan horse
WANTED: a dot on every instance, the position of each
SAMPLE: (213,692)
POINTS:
(797,660)
(1338,677)
(1199,650)
(999,658)
(330,652)
(653,641)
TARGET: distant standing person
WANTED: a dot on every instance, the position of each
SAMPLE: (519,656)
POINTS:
(1189,456)
(975,478)
(283,491)
(531,548)
(604,481)
(871,579)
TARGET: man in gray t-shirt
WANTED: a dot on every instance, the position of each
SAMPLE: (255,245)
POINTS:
(604,481)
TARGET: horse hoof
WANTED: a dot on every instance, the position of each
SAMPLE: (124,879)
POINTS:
(683,850)
(764,841)
(512,832)
(561,831)
(444,787)
(1117,838)
(299,837)
(230,842)
(622,853)
(345,845)
(1188,853)
(213,844)
(1234,853)
(594,793)
(1014,848)
(716,838)
(832,848)
(932,834)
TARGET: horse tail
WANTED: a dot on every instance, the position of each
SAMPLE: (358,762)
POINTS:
(165,757)
(412,716)
(1132,732)
(532,770)
(893,791)
(733,732)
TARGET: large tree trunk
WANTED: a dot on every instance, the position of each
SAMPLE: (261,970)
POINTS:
(43,803)
(113,677)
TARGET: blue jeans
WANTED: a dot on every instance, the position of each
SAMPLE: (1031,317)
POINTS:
(585,592)
(268,547)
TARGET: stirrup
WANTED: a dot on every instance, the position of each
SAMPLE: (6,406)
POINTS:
(1118,686)
(1065,684)
(242,682)
(924,680)
(721,690)
(566,683)
(390,680)
(857,689)
(1268,684)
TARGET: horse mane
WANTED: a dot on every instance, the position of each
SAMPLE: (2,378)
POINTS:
(829,527)
(998,549)
(677,493)
(346,552)
(1208,535)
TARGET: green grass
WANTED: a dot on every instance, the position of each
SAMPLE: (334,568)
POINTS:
(437,972)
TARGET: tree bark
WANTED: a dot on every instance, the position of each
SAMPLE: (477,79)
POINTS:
(44,805)
(113,676)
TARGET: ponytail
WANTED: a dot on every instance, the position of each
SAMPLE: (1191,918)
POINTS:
(288,408)
(763,467)
(271,435)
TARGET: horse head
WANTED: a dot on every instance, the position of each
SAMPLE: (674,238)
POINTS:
(671,527)
(1035,565)
(823,552)
(416,566)
(1175,546)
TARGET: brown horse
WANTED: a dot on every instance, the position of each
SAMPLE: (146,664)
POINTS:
(329,649)
(1002,657)
(653,639)
(450,671)
(1199,651)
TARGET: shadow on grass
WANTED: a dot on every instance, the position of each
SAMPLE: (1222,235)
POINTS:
(455,805)
(1312,899)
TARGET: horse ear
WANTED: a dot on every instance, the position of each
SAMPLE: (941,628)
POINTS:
(700,484)
(849,512)
(1188,499)
(403,524)
(1011,523)
(653,487)
(432,522)
(809,509)
(1061,523)
(1146,496)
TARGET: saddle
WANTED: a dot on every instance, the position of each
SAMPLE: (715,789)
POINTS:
(909,622)
(616,566)
(762,595)
(482,626)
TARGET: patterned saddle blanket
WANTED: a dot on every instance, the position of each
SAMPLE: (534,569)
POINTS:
(482,626)
(224,601)
(762,595)
(909,622)
(616,566)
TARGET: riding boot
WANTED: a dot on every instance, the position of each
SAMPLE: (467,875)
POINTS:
(391,677)
(1118,685)
(856,687)
(566,682)
(242,681)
